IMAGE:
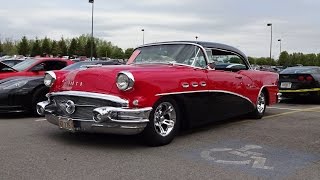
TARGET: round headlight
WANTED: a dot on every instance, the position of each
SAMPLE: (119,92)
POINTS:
(49,78)
(125,81)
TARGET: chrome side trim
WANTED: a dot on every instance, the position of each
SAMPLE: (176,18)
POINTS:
(207,91)
(92,95)
(264,87)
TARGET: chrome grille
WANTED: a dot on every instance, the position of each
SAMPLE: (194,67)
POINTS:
(84,106)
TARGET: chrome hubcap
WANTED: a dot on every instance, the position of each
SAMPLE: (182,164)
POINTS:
(164,118)
(261,103)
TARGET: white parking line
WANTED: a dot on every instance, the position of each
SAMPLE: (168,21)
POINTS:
(286,108)
(39,120)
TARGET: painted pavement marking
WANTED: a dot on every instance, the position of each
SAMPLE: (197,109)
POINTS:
(315,109)
(39,120)
(255,157)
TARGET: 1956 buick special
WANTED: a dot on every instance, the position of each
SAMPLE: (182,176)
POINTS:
(164,87)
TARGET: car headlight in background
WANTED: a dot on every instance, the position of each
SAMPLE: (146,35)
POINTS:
(125,81)
(49,78)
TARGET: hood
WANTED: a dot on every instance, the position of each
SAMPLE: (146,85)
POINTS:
(101,80)
(5,68)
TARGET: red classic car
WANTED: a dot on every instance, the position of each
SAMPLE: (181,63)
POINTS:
(33,67)
(164,87)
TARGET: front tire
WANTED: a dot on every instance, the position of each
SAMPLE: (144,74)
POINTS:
(164,123)
(261,106)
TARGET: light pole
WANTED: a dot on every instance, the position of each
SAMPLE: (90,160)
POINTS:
(270,24)
(197,38)
(142,36)
(280,45)
(91,52)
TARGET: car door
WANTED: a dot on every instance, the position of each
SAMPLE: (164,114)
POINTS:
(228,92)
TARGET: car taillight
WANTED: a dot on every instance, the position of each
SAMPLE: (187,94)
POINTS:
(301,78)
(309,78)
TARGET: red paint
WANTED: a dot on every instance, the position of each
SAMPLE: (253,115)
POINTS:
(28,72)
(154,79)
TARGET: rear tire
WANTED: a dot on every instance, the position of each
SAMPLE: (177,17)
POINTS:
(39,95)
(164,123)
(261,106)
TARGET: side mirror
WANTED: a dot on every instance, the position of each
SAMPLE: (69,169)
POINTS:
(39,67)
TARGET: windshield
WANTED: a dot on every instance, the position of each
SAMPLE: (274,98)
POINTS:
(24,65)
(78,65)
(169,53)
(300,71)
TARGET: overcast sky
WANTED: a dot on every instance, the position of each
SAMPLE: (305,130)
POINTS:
(240,23)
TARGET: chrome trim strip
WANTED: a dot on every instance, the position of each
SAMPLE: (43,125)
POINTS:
(207,91)
(264,87)
(92,95)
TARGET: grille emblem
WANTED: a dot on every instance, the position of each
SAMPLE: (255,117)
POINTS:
(70,107)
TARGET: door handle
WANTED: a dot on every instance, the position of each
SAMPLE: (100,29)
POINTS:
(239,77)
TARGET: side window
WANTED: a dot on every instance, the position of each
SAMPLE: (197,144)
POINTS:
(54,65)
(227,61)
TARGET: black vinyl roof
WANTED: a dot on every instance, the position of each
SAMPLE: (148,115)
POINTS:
(208,45)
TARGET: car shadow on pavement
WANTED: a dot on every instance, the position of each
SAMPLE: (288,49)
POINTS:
(97,140)
(6,116)
(302,100)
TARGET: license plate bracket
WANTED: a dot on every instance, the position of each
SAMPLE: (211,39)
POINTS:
(286,85)
(66,123)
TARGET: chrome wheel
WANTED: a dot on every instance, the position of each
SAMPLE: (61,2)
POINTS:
(164,118)
(261,105)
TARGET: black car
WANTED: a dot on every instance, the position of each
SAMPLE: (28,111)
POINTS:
(21,94)
(300,81)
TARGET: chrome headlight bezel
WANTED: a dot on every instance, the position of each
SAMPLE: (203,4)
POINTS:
(49,78)
(125,81)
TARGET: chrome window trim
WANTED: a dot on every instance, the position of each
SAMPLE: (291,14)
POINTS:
(207,91)
(92,95)
(237,54)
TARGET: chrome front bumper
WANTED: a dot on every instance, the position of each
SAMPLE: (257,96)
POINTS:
(113,120)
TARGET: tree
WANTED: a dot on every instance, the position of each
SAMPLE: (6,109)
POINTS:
(73,47)
(63,49)
(128,52)
(9,47)
(23,46)
(36,48)
(88,49)
(117,53)
(1,49)
(284,59)
(54,48)
(46,46)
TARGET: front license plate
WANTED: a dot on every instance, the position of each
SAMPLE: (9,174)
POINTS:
(286,85)
(65,123)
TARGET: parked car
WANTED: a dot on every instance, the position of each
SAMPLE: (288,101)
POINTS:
(11,62)
(33,67)
(20,94)
(300,81)
(164,87)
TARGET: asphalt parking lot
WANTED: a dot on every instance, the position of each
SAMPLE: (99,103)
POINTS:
(285,144)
